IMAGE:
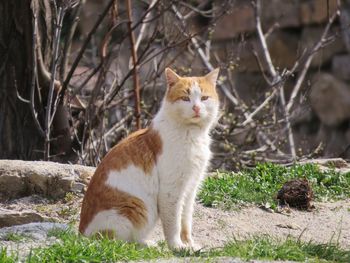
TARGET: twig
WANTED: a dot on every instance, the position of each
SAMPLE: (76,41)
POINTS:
(68,41)
(249,118)
(265,50)
(34,78)
(103,56)
(135,69)
(309,59)
(82,50)
(48,117)
(144,24)
(276,77)
(117,125)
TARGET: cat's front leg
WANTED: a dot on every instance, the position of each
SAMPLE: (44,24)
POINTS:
(170,207)
(186,218)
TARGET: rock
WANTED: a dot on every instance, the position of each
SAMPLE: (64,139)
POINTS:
(341,66)
(11,218)
(310,36)
(285,13)
(282,45)
(78,187)
(54,180)
(330,99)
(315,11)
(241,18)
(331,162)
(34,230)
(345,22)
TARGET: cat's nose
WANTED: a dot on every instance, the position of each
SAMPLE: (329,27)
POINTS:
(196,109)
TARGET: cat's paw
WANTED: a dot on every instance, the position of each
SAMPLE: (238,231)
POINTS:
(147,243)
(195,246)
(177,245)
(192,245)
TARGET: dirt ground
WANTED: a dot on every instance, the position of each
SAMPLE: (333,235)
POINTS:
(214,227)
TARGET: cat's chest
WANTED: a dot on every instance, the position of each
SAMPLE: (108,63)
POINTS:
(186,150)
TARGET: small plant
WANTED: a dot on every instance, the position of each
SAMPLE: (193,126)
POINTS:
(260,185)
(69,197)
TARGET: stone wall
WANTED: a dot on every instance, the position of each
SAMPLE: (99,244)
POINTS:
(321,114)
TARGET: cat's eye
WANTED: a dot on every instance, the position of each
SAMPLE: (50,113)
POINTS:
(185,98)
(204,98)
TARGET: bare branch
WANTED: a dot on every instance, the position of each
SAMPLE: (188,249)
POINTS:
(275,76)
(68,40)
(144,24)
(249,118)
(34,78)
(82,50)
(309,59)
(261,37)
(48,117)
(135,69)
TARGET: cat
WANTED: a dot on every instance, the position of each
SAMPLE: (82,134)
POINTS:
(155,172)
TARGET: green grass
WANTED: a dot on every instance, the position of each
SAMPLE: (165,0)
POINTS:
(13,237)
(266,248)
(5,258)
(261,184)
(75,248)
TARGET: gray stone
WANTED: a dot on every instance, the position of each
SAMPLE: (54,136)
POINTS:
(330,99)
(315,11)
(23,178)
(310,36)
(341,66)
(241,18)
(78,187)
(282,45)
(11,218)
(37,231)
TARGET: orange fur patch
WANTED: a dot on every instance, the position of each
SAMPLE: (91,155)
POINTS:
(183,85)
(140,149)
(185,236)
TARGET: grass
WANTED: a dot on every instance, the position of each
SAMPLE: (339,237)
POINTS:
(13,237)
(75,248)
(5,258)
(261,184)
(266,248)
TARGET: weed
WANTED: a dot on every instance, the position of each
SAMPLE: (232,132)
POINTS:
(260,185)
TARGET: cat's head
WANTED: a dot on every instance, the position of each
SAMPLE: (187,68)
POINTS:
(192,100)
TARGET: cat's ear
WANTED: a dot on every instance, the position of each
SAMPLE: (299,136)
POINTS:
(171,77)
(212,76)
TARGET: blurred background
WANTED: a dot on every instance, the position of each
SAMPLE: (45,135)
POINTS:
(78,76)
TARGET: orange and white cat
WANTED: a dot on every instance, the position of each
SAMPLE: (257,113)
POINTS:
(155,172)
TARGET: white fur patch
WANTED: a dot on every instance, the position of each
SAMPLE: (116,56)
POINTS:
(135,182)
(110,220)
